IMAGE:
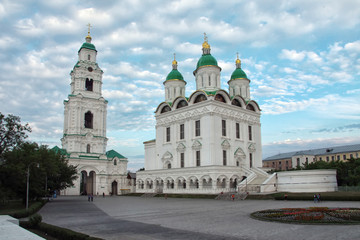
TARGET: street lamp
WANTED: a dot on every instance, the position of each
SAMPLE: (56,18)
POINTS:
(27,183)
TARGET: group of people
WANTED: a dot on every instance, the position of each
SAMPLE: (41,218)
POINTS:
(317,198)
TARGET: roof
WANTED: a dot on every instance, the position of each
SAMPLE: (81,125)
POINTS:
(174,75)
(113,153)
(61,151)
(316,152)
(238,73)
(132,175)
(206,60)
(88,46)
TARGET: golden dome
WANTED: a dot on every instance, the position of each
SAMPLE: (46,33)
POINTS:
(238,61)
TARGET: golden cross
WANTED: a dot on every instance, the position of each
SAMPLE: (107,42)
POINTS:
(89,26)
(174,56)
(237,54)
(205,37)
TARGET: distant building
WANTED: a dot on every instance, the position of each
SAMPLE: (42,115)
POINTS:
(286,161)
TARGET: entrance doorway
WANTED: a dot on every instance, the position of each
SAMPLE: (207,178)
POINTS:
(114,188)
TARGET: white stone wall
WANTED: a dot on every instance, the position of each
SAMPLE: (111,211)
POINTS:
(323,180)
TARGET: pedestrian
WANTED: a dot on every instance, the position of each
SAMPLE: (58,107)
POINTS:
(233,197)
(285,197)
(318,197)
(89,197)
(315,198)
(92,197)
(103,194)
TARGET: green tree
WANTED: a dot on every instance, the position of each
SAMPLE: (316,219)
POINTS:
(347,172)
(53,172)
(12,132)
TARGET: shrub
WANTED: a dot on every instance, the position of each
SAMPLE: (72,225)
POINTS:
(35,220)
(32,209)
(63,233)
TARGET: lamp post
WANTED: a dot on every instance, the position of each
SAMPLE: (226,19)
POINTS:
(27,183)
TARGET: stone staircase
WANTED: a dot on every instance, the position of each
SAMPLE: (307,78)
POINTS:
(149,195)
(228,196)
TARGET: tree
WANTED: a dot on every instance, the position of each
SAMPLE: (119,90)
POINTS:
(53,172)
(347,173)
(12,133)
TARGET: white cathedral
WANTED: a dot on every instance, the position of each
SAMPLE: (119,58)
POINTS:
(208,142)
(84,140)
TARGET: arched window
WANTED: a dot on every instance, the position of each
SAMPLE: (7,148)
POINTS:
(165,109)
(250,107)
(115,162)
(181,104)
(200,98)
(236,103)
(169,165)
(88,120)
(219,98)
(89,57)
(89,84)
(88,148)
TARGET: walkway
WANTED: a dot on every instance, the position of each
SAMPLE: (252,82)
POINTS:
(159,218)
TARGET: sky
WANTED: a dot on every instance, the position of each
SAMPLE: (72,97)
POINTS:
(302,58)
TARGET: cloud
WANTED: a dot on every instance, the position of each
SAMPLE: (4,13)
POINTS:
(292,55)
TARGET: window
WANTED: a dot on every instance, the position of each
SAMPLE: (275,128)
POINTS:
(332,158)
(320,158)
(338,157)
(88,148)
(237,130)
(169,165)
(251,159)
(287,163)
(88,84)
(197,158)
(237,163)
(165,109)
(327,158)
(197,128)
(182,159)
(115,163)
(88,120)
(351,155)
(200,98)
(89,57)
(182,133)
(307,161)
(224,157)
(223,127)
(344,157)
(298,162)
(168,134)
(250,133)
(209,82)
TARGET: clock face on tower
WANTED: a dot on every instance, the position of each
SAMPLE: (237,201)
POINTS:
(90,69)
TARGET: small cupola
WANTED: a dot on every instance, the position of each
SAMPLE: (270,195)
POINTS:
(174,83)
(239,83)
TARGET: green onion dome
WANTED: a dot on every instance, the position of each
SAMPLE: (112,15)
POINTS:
(238,73)
(174,75)
(206,60)
(88,44)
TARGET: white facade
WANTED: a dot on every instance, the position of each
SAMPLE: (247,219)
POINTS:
(84,139)
(207,143)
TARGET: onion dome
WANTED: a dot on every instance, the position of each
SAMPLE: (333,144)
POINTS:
(87,44)
(238,73)
(206,59)
(174,74)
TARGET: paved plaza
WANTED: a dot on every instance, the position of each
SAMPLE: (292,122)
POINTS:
(130,218)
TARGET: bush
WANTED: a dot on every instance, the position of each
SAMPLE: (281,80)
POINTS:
(35,220)
(32,209)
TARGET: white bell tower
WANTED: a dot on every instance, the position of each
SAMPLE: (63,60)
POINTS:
(85,110)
